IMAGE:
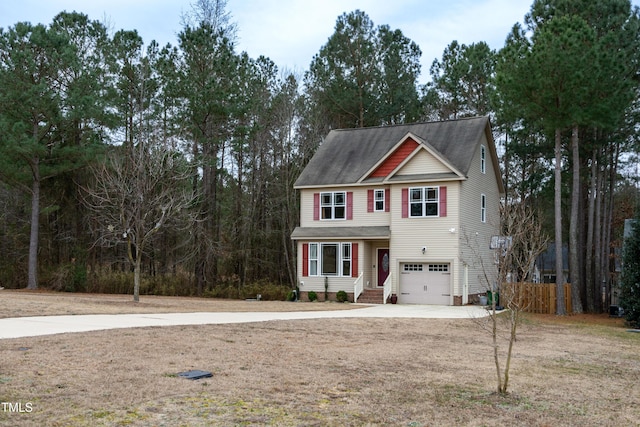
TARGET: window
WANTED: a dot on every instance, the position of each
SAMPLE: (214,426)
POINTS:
(483,208)
(333,205)
(346,259)
(330,259)
(412,267)
(423,201)
(483,159)
(439,267)
(379,200)
(313,259)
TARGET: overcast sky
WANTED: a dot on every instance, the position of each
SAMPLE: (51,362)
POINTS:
(291,32)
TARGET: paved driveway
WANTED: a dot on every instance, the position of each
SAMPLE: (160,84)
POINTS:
(47,325)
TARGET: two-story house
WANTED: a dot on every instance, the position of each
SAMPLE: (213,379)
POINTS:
(408,210)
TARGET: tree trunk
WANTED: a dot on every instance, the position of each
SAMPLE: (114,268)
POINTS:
(136,276)
(607,225)
(590,271)
(35,226)
(574,264)
(560,304)
(599,235)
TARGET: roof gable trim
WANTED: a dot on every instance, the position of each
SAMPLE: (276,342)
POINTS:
(406,147)
(400,155)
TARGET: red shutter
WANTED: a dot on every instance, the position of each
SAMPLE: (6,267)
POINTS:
(305,260)
(354,260)
(405,203)
(387,200)
(369,200)
(350,205)
(443,201)
(316,206)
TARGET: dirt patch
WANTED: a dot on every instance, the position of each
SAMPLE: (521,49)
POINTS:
(349,372)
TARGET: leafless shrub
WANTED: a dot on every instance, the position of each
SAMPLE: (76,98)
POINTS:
(516,251)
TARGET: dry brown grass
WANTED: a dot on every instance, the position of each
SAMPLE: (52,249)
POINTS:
(44,303)
(348,372)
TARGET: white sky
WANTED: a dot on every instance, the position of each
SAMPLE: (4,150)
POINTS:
(291,32)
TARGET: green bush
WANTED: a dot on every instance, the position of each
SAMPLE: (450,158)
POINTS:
(630,281)
(342,296)
(312,296)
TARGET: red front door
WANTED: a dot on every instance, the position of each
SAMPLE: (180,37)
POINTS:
(383,266)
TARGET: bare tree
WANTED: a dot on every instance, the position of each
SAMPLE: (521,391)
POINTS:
(213,13)
(515,254)
(138,191)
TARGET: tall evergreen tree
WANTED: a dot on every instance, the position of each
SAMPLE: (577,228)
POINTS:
(461,83)
(37,108)
(364,76)
(207,87)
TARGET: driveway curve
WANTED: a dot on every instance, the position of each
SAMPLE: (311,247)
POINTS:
(18,327)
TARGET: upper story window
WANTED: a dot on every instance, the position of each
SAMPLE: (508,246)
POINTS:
(424,201)
(483,208)
(483,159)
(378,200)
(333,205)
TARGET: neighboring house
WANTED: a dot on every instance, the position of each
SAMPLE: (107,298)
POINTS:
(546,264)
(406,208)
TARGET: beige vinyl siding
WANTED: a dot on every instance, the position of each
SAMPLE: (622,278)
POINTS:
(421,162)
(409,235)
(474,234)
(361,217)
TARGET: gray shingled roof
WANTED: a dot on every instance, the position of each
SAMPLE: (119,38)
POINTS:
(376,232)
(347,154)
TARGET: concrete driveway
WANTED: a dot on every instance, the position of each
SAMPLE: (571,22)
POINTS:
(48,325)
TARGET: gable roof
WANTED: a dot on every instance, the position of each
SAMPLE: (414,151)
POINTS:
(348,156)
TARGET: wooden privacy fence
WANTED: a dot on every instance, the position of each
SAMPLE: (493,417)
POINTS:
(537,297)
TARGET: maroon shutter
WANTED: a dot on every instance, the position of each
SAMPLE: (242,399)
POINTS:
(354,260)
(443,201)
(369,200)
(350,205)
(316,206)
(387,200)
(405,203)
(305,259)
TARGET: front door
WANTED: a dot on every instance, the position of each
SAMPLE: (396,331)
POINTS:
(383,266)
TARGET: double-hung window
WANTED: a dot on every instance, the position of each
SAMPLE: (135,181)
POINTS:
(333,205)
(378,200)
(483,208)
(330,259)
(483,159)
(313,259)
(423,201)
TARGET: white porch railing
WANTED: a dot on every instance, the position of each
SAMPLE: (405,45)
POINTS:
(358,287)
(387,289)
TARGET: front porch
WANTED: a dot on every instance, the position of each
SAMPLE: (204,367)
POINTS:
(373,285)
(355,260)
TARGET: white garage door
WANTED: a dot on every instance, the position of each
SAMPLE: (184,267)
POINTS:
(425,284)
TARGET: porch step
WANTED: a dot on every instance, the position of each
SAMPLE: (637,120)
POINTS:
(371,296)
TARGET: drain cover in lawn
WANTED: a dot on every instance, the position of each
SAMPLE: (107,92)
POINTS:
(195,374)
